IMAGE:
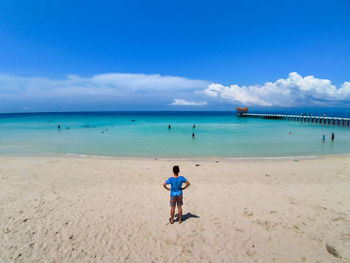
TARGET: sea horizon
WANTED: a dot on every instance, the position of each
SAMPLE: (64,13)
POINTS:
(329,111)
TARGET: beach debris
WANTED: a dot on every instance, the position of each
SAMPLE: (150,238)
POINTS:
(216,161)
(331,250)
(197,164)
(296,160)
(267,175)
(71,237)
(25,220)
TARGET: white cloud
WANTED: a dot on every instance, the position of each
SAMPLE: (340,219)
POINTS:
(101,91)
(142,91)
(181,102)
(113,84)
(292,91)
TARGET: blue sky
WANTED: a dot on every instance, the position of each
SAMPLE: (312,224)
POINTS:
(168,55)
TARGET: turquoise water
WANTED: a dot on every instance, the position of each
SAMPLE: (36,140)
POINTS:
(216,135)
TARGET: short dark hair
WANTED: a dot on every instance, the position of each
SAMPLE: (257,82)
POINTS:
(176,169)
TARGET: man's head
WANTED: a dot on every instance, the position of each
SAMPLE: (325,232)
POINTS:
(176,169)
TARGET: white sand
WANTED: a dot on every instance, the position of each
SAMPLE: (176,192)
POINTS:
(115,210)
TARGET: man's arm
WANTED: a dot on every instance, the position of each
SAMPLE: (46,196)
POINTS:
(164,185)
(186,186)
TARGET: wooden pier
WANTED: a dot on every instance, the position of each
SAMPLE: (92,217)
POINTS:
(337,121)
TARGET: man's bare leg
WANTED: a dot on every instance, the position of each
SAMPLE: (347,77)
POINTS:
(179,210)
(172,213)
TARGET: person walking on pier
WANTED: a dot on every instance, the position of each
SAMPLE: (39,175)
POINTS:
(332,136)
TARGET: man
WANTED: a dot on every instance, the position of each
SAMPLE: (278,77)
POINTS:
(176,182)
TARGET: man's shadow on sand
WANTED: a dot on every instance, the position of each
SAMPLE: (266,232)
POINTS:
(185,217)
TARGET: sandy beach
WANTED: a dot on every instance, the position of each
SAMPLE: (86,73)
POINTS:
(85,209)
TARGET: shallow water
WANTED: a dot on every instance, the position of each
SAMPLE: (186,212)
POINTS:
(219,134)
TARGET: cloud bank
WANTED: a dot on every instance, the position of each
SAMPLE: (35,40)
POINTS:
(292,91)
(113,84)
(114,90)
(119,91)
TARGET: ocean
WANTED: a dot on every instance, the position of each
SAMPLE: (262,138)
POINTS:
(146,134)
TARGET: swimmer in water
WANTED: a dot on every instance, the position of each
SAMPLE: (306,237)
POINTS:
(194,126)
(59,127)
(193,135)
(169,127)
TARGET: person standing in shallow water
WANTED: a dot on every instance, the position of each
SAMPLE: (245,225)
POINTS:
(176,197)
(323,138)
(332,136)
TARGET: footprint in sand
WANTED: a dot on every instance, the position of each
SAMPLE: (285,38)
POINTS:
(341,175)
(292,201)
(248,213)
(267,225)
(336,219)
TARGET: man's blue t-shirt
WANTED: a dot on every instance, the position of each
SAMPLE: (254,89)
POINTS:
(176,184)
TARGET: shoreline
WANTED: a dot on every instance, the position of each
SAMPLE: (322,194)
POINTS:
(214,158)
